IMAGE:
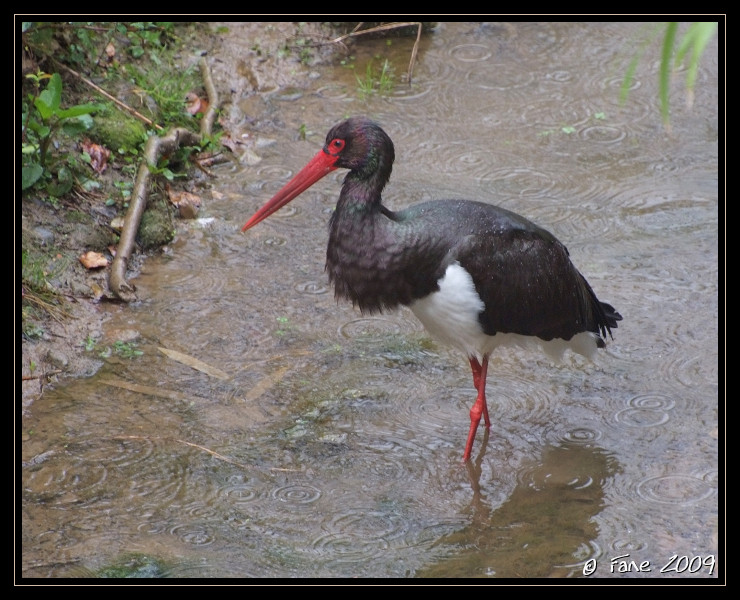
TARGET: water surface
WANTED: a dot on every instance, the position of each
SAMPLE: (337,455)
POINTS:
(313,441)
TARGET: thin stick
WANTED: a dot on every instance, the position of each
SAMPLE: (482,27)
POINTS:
(385,27)
(41,376)
(101,91)
(155,147)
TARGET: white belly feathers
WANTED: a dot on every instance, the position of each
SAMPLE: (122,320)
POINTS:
(451,316)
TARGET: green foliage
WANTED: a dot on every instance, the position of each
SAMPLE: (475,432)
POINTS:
(164,170)
(118,132)
(122,349)
(570,129)
(83,43)
(155,86)
(125,188)
(692,45)
(303,46)
(30,329)
(43,119)
(377,80)
(211,143)
(135,566)
(89,343)
(285,326)
(167,87)
(144,35)
(39,296)
(694,41)
(33,272)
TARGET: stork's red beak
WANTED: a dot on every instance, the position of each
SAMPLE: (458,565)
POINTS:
(320,165)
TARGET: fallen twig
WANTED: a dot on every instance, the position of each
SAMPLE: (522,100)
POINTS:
(206,123)
(355,32)
(41,375)
(102,92)
(155,147)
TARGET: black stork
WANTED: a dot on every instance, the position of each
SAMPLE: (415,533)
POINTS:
(477,276)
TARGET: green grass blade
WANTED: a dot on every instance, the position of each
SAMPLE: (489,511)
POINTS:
(665,69)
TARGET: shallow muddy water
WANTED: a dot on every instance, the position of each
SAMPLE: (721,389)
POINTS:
(269,431)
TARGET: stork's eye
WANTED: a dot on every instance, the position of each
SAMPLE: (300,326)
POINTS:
(336,146)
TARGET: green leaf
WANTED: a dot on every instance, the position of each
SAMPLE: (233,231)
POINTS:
(632,67)
(78,125)
(65,181)
(29,148)
(42,105)
(49,100)
(697,37)
(30,174)
(77,111)
(39,129)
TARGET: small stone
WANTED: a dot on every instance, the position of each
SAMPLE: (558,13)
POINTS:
(57,358)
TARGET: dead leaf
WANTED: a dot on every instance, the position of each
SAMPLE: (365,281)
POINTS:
(187,204)
(194,104)
(117,223)
(93,260)
(195,363)
(265,384)
(231,143)
(99,155)
(98,291)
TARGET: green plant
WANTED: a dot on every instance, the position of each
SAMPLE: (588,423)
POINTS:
(135,566)
(167,87)
(32,331)
(376,80)
(33,272)
(89,343)
(349,62)
(145,35)
(84,41)
(124,188)
(38,295)
(211,143)
(570,129)
(285,326)
(122,349)
(43,118)
(692,44)
(164,170)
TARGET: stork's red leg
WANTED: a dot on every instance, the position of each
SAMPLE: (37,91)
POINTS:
(480,407)
(479,380)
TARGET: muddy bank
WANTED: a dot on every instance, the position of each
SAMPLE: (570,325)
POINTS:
(248,61)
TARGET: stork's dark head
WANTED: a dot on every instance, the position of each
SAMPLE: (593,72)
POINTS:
(357,144)
(360,145)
